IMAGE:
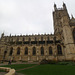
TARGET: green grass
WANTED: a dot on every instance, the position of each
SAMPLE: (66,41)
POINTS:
(2,71)
(47,69)
(50,70)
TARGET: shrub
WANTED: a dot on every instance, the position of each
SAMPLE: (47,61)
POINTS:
(24,61)
(66,63)
(62,63)
(52,62)
(44,61)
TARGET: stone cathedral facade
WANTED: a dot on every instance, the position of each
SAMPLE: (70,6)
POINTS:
(58,46)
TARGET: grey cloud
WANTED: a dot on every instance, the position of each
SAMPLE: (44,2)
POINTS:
(29,16)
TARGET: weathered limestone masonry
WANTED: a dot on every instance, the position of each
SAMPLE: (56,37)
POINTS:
(58,46)
(9,70)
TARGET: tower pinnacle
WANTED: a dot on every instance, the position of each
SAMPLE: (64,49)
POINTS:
(64,5)
(55,7)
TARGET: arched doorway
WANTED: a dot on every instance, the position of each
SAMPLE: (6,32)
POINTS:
(5,52)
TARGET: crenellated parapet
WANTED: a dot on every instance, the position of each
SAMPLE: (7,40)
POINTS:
(31,39)
(63,8)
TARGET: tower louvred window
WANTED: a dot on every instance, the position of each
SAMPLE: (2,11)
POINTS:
(74,34)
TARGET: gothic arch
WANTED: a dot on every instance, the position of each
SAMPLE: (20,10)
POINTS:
(11,51)
(42,51)
(41,38)
(50,50)
(18,51)
(34,51)
(23,39)
(59,49)
(11,39)
(26,51)
(73,34)
(35,39)
(48,38)
(5,52)
(0,51)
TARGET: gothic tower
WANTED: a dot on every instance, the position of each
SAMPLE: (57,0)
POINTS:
(62,27)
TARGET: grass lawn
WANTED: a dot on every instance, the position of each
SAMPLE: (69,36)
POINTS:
(2,71)
(19,66)
(47,69)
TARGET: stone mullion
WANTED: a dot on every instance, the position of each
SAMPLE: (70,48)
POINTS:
(37,41)
(45,41)
(29,41)
(22,42)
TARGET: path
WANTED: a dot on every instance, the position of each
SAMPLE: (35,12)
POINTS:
(2,73)
(19,74)
(27,68)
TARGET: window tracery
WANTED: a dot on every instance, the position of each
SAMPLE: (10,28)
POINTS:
(59,50)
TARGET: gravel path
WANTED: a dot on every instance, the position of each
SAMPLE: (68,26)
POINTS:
(19,74)
(2,73)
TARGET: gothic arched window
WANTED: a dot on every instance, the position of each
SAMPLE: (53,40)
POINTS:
(11,39)
(48,38)
(11,51)
(29,39)
(42,51)
(0,51)
(59,15)
(18,51)
(34,51)
(17,39)
(23,39)
(26,51)
(50,50)
(74,34)
(35,39)
(41,38)
(59,50)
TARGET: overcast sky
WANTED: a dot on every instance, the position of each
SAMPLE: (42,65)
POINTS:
(30,16)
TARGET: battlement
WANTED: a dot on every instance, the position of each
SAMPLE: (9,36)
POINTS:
(33,39)
(63,8)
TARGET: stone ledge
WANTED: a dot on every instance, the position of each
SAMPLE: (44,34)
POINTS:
(9,70)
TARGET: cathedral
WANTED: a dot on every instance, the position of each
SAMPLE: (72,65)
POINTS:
(59,46)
